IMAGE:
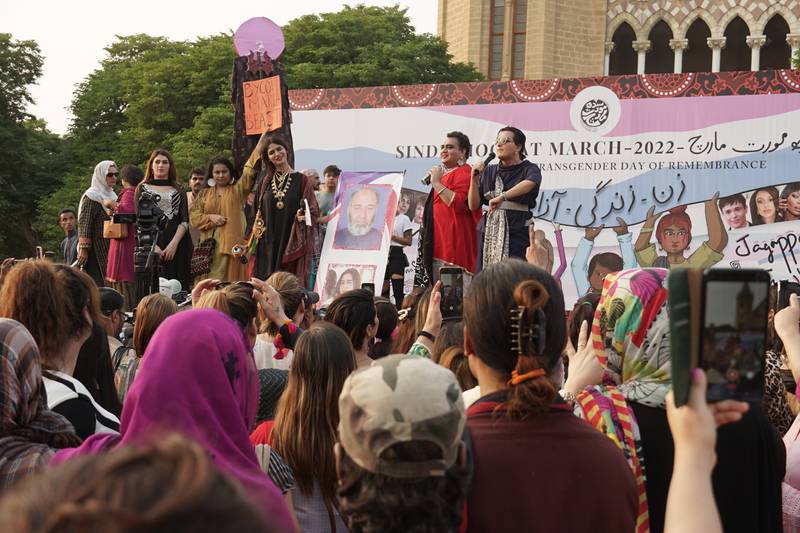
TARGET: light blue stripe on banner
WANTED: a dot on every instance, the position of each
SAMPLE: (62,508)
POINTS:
(664,188)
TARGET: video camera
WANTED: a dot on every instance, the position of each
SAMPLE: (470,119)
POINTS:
(150,220)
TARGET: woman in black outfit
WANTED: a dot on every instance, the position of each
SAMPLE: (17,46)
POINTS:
(174,242)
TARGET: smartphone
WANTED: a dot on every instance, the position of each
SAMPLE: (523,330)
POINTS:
(452,303)
(733,333)
(785,290)
(369,286)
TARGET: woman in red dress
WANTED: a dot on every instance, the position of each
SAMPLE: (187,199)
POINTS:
(120,253)
(450,228)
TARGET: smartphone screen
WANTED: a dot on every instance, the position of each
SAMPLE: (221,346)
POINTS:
(785,290)
(369,286)
(734,334)
(452,292)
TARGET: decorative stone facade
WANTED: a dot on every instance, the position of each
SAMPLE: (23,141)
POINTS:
(577,37)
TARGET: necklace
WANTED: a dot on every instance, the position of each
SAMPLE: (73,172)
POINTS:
(280,185)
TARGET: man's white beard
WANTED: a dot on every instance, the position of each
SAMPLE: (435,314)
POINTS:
(358,230)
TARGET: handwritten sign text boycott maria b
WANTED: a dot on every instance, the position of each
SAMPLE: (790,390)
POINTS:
(262,105)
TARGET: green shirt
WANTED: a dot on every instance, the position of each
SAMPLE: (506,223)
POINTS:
(703,257)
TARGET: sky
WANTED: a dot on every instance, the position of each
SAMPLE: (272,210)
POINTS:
(72,34)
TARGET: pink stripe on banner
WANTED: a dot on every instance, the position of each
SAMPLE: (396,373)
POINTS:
(673,114)
(542,116)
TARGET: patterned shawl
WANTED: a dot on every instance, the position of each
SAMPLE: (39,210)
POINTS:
(29,432)
(630,336)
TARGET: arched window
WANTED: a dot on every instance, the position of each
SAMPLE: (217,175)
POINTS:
(498,22)
(776,52)
(661,57)
(736,54)
(623,57)
(518,44)
(697,58)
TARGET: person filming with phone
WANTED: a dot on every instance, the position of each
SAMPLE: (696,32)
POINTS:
(633,341)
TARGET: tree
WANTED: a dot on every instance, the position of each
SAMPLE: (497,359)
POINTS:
(364,46)
(149,92)
(31,155)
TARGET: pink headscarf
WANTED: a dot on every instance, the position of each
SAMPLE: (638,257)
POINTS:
(198,378)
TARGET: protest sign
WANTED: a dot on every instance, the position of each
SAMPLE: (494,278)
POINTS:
(262,105)
(358,236)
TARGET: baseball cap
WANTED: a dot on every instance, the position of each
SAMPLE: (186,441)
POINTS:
(400,398)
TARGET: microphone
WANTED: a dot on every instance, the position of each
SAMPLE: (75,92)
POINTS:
(427,179)
(485,162)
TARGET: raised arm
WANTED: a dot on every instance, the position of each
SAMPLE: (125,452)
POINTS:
(248,177)
(786,326)
(562,255)
(647,230)
(717,236)
(474,195)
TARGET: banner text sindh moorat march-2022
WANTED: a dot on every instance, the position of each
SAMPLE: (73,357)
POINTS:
(608,153)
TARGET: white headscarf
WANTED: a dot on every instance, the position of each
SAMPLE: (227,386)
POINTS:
(99,191)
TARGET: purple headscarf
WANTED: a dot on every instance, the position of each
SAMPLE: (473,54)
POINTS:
(198,378)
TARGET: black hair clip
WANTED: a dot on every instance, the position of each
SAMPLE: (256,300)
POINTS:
(524,334)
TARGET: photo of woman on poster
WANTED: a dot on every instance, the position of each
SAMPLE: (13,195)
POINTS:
(764,206)
(674,234)
(790,201)
(341,278)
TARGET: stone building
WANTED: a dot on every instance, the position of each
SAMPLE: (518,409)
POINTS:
(535,39)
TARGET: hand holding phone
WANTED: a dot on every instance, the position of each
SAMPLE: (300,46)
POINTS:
(718,323)
(734,333)
(369,286)
(452,303)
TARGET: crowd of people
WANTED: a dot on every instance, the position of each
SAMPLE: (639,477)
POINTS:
(230,225)
(253,409)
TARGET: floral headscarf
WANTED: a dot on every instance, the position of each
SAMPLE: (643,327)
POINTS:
(630,336)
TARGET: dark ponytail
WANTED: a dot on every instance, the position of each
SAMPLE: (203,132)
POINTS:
(530,388)
(523,340)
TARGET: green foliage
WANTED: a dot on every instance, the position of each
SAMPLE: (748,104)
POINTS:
(796,60)
(151,92)
(31,155)
(67,195)
(364,46)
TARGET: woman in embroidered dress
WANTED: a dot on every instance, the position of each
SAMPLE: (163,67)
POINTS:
(283,241)
(509,189)
(174,242)
(96,204)
(218,211)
